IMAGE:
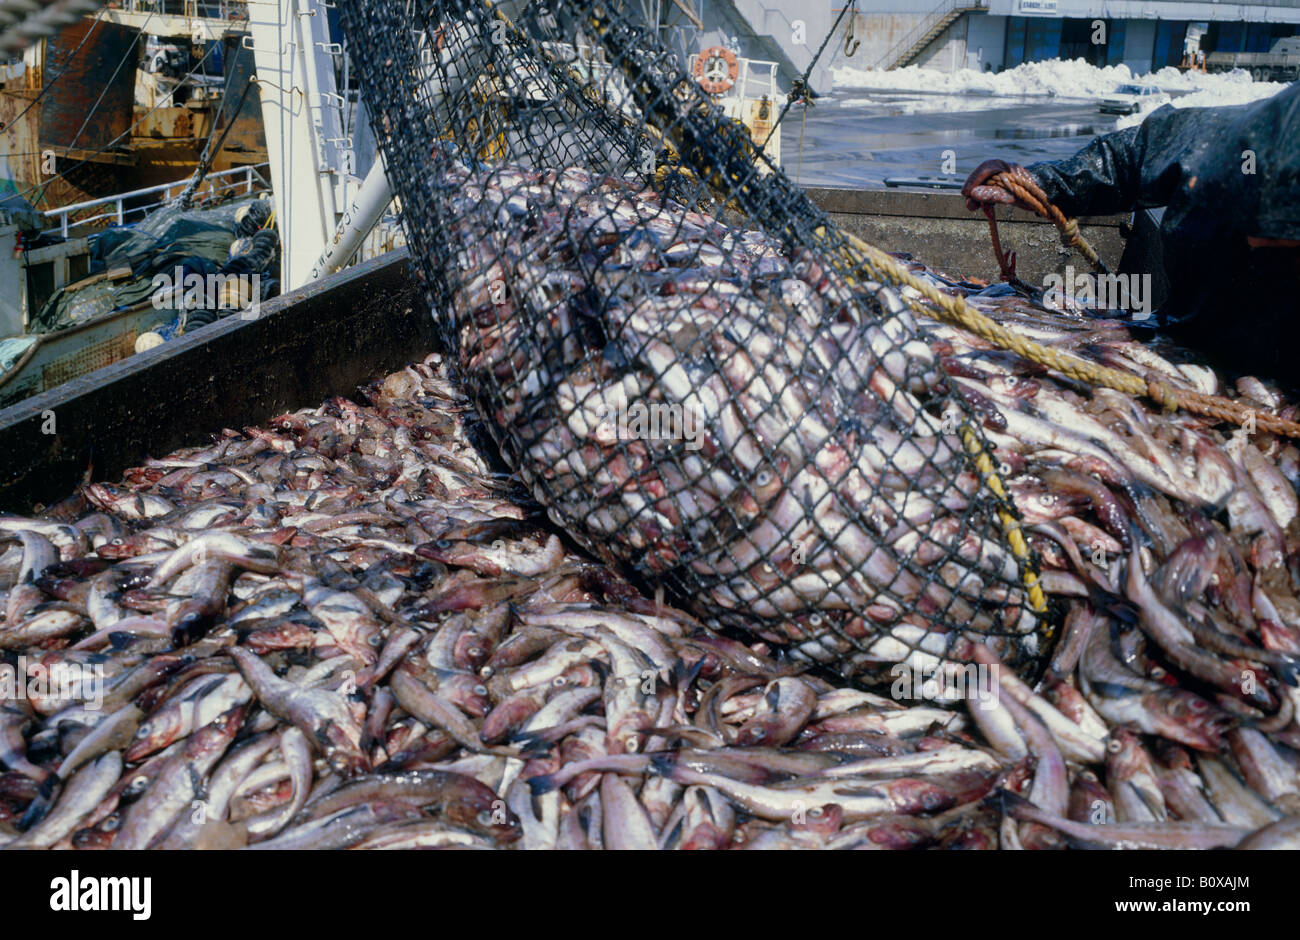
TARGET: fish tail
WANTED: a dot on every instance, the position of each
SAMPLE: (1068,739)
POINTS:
(41,806)
(664,764)
(539,785)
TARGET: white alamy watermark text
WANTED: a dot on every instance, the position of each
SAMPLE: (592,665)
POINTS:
(194,291)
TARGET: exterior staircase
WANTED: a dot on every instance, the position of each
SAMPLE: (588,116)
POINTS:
(928,30)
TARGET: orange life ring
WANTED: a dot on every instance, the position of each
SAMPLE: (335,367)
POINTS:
(708,69)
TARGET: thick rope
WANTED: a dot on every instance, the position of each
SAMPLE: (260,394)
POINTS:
(1025,188)
(958,312)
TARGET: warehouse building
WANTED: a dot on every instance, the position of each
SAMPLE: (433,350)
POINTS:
(996,34)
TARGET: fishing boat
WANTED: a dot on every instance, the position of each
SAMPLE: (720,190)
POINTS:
(126,99)
(109,121)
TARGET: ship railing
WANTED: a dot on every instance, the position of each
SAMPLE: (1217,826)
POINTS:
(192,9)
(239,181)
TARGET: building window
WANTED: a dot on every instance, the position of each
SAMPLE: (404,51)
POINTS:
(1043,39)
(1116,33)
(1076,41)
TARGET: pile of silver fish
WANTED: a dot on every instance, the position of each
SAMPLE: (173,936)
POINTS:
(1173,548)
(338,630)
(713,412)
(341,630)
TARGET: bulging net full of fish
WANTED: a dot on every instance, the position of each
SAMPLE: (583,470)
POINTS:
(672,346)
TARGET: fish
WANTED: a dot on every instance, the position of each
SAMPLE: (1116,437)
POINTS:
(83,792)
(328,675)
(176,785)
(324,716)
(461,800)
(1151,835)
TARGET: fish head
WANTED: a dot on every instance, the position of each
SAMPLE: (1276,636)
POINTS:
(824,820)
(1015,386)
(901,834)
(155,733)
(465,691)
(1125,755)
(1189,719)
(342,752)
(477,808)
(915,795)
(292,424)
(218,733)
(1050,504)
(105,495)
(190,626)
(100,835)
(460,554)
(626,733)
(471,650)
(706,836)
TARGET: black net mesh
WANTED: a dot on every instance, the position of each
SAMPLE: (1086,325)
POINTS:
(692,370)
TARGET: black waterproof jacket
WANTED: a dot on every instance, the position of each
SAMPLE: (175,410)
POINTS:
(1224,175)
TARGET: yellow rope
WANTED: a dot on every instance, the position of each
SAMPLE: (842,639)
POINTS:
(958,312)
(1011,529)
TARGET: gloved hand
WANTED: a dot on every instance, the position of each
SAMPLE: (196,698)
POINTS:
(979,193)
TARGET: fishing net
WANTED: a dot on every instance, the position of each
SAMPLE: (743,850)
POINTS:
(694,372)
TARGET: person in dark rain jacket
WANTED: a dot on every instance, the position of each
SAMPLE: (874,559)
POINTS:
(1229,179)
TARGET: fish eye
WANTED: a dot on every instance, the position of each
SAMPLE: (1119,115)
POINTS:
(376,640)
(757,734)
(1197,705)
(631,744)
(559,681)
(764,478)
(1012,380)
(484,818)
(480,690)
(1114,746)
(815,620)
(443,543)
(117,542)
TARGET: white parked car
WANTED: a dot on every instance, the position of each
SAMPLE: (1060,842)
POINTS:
(1130,99)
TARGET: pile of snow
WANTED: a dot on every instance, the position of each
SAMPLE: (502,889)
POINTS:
(1066,79)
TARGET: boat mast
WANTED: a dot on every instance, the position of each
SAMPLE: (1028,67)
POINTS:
(302,114)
